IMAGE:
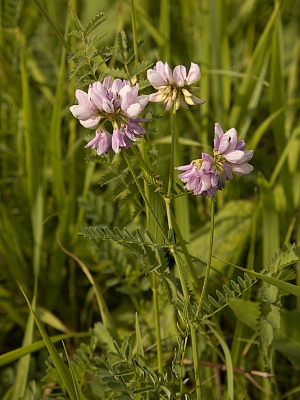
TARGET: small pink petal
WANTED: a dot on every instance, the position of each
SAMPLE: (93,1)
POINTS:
(242,169)
(194,74)
(179,74)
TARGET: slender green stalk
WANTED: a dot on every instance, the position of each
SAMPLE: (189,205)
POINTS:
(173,145)
(176,256)
(196,362)
(178,262)
(211,242)
(147,203)
(154,287)
(186,303)
(155,227)
(185,251)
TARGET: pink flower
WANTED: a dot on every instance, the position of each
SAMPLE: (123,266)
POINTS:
(200,176)
(101,142)
(226,145)
(207,175)
(132,104)
(85,111)
(112,102)
(174,86)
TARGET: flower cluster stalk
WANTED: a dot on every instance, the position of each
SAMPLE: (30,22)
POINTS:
(210,250)
(155,227)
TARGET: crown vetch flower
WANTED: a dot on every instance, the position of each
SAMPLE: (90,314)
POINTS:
(112,102)
(229,150)
(207,175)
(101,142)
(174,86)
(200,176)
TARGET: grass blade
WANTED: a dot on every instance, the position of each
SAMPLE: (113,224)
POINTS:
(229,366)
(108,321)
(270,235)
(53,26)
(14,355)
(60,366)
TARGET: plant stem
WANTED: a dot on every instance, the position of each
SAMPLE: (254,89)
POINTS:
(173,144)
(211,243)
(186,304)
(196,362)
(154,287)
(145,198)
(154,225)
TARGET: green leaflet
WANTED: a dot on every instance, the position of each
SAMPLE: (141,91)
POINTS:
(289,254)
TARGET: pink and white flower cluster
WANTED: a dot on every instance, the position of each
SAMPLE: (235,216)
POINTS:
(206,175)
(115,102)
(174,86)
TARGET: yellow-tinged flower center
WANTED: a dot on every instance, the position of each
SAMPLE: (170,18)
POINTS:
(117,117)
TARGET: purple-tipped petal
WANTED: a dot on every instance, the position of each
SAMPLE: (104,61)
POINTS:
(218,136)
(101,142)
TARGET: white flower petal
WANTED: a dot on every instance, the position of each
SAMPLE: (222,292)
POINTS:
(228,141)
(155,79)
(143,100)
(91,123)
(234,156)
(179,74)
(194,74)
(81,112)
(82,98)
(133,110)
(242,169)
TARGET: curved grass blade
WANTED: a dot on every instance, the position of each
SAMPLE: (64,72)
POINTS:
(60,366)
(105,314)
(53,26)
(14,355)
(229,366)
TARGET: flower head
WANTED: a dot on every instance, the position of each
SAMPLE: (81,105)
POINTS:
(112,102)
(207,175)
(228,150)
(174,86)
(200,176)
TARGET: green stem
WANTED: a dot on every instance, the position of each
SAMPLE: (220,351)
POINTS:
(186,303)
(196,362)
(173,145)
(211,243)
(185,252)
(177,259)
(155,227)
(154,288)
(173,249)
(145,198)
